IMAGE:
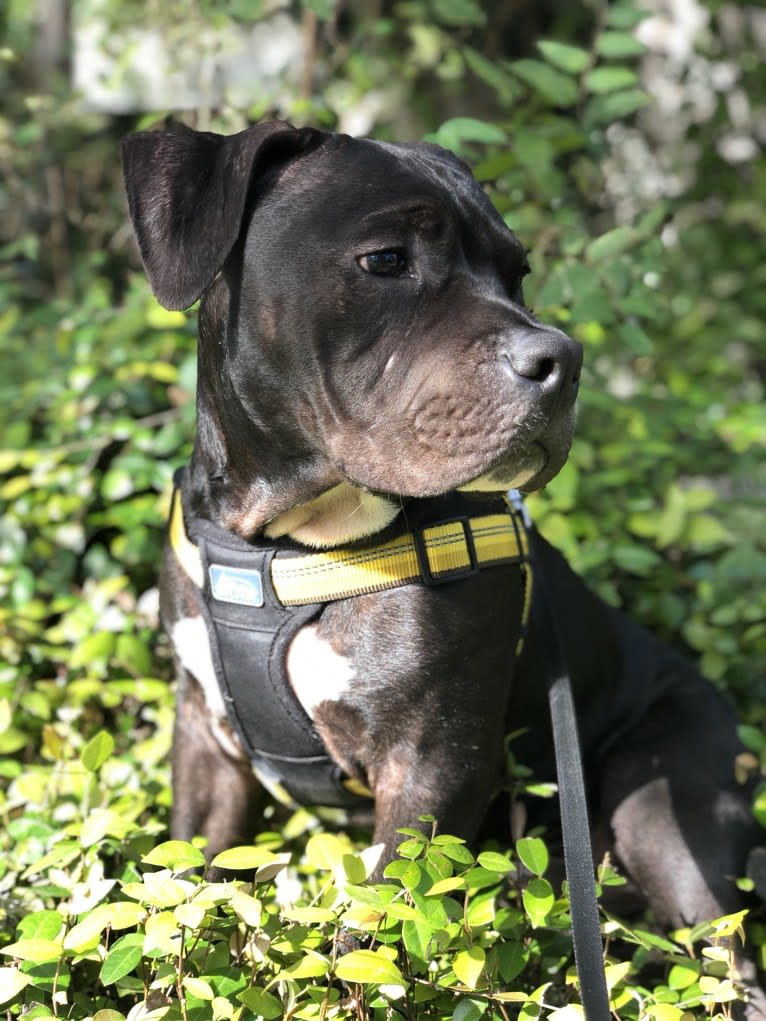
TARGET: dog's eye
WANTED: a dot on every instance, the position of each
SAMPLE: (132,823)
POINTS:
(390,262)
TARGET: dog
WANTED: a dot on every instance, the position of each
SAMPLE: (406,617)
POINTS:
(370,383)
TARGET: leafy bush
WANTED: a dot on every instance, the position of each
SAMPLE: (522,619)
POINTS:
(105,923)
(661,506)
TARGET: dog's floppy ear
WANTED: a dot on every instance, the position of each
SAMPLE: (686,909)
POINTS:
(187,192)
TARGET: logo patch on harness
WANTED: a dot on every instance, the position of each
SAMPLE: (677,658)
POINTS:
(236,585)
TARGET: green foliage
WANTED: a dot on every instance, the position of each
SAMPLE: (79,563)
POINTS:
(661,506)
(102,922)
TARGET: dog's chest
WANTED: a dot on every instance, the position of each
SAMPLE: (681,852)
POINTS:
(384,653)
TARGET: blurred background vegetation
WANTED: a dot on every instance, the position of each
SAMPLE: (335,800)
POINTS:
(623,142)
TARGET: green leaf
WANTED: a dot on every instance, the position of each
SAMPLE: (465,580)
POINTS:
(753,738)
(602,80)
(491,73)
(468,966)
(97,824)
(324,9)
(133,654)
(555,87)
(176,855)
(62,854)
(12,982)
(249,909)
(454,132)
(417,936)
(198,987)
(123,957)
(159,890)
(41,925)
(681,976)
(615,106)
(480,911)
(625,15)
(261,1003)
(408,873)
(354,868)
(442,886)
(455,852)
(618,45)
(494,862)
(311,965)
(469,1010)
(325,850)
(664,1012)
(116,915)
(533,854)
(36,950)
(636,559)
(610,244)
(97,751)
(538,900)
(457,13)
(571,59)
(512,960)
(635,338)
(368,966)
(191,915)
(240,859)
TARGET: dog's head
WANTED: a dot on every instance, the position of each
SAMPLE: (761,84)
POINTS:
(362,314)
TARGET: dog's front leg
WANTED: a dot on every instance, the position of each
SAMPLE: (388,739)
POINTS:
(452,789)
(215,794)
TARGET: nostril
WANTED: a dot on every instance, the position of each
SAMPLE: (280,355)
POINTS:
(535,369)
(546,368)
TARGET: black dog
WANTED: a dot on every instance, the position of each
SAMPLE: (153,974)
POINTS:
(367,372)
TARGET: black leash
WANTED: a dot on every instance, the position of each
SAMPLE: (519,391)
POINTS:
(575,829)
(573,807)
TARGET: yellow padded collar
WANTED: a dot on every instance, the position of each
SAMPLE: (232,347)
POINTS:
(434,554)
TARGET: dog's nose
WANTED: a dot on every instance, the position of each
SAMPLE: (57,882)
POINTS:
(547,358)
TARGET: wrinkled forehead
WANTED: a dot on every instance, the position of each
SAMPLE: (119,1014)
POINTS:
(350,178)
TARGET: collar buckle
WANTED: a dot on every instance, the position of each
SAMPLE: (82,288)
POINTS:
(452,574)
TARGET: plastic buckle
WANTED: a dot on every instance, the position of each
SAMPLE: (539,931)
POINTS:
(427,575)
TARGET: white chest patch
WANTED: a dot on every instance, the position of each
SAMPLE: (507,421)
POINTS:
(189,636)
(315,670)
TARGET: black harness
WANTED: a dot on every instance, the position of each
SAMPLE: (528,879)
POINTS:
(250,630)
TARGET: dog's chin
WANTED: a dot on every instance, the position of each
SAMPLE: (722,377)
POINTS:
(528,472)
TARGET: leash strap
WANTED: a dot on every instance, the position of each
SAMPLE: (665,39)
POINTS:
(573,807)
(575,828)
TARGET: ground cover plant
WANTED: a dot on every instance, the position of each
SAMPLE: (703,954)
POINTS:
(661,506)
